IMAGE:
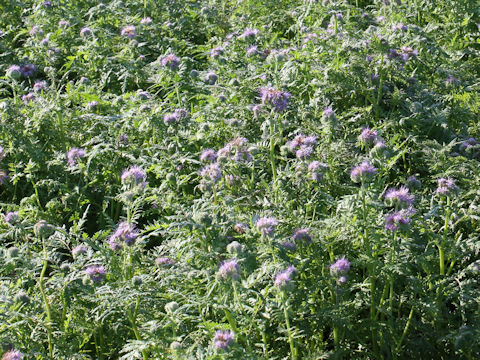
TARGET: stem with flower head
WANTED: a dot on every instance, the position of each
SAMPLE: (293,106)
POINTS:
(440,244)
(133,321)
(45,300)
(272,148)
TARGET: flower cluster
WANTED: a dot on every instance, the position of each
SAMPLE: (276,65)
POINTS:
(316,170)
(229,270)
(302,145)
(134,176)
(236,150)
(12,217)
(125,233)
(223,339)
(267,225)
(12,355)
(339,269)
(399,197)
(446,186)
(284,278)
(399,219)
(74,155)
(96,273)
(276,98)
(368,136)
(363,172)
(175,117)
(171,61)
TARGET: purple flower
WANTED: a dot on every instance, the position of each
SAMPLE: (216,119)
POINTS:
(73,155)
(92,105)
(341,266)
(316,170)
(302,142)
(223,339)
(96,273)
(229,269)
(446,186)
(208,155)
(284,278)
(171,61)
(211,172)
(164,261)
(211,78)
(12,355)
(2,153)
(174,117)
(407,53)
(267,225)
(39,86)
(216,52)
(368,136)
(28,97)
(86,31)
(249,33)
(363,172)
(468,144)
(14,71)
(289,246)
(63,24)
(129,31)
(146,21)
(302,235)
(125,233)
(398,219)
(28,70)
(276,98)
(252,50)
(134,175)
(12,217)
(36,31)
(79,250)
(400,196)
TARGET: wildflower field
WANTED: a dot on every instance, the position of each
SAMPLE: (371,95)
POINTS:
(247,179)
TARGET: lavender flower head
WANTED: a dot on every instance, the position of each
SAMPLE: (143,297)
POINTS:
(229,269)
(267,225)
(79,250)
(174,117)
(164,261)
(368,136)
(146,21)
(399,197)
(171,61)
(3,176)
(252,50)
(12,217)
(302,145)
(14,71)
(125,233)
(276,98)
(317,169)
(96,273)
(451,80)
(12,355)
(208,155)
(216,52)
(363,172)
(134,175)
(340,267)
(408,53)
(2,153)
(73,155)
(28,70)
(302,235)
(27,98)
(284,278)
(63,24)
(413,182)
(446,186)
(469,144)
(399,219)
(39,86)
(129,31)
(223,339)
(86,31)
(211,172)
(249,33)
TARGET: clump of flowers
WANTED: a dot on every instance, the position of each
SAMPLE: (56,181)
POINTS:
(208,155)
(236,150)
(399,197)
(283,280)
(399,219)
(276,98)
(229,270)
(129,31)
(223,339)
(302,145)
(171,61)
(134,176)
(96,273)
(146,21)
(249,34)
(86,31)
(12,355)
(446,186)
(12,217)
(302,235)
(368,136)
(175,117)
(27,98)
(216,52)
(74,155)
(470,146)
(211,174)
(79,250)
(363,172)
(267,225)
(125,233)
(340,267)
(379,150)
(316,170)
(39,86)
(164,261)
(3,176)
(14,71)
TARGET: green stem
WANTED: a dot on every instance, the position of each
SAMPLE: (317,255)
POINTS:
(133,321)
(407,325)
(45,300)
(293,349)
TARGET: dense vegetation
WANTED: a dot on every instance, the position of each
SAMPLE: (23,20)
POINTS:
(242,179)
